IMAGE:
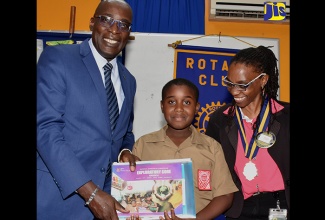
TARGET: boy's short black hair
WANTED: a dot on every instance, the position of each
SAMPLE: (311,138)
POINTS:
(180,82)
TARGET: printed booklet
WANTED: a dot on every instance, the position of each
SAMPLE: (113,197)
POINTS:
(155,186)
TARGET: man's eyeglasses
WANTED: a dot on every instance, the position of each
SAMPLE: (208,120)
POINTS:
(240,87)
(108,22)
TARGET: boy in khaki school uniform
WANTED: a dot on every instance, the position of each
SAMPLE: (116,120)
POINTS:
(213,184)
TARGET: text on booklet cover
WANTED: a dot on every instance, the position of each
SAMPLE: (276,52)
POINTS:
(155,186)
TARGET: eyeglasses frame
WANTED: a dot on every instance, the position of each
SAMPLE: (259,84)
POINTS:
(239,86)
(118,22)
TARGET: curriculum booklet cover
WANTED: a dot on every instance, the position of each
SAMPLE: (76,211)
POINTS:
(155,186)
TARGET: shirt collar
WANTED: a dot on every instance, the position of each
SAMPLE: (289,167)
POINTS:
(275,107)
(161,136)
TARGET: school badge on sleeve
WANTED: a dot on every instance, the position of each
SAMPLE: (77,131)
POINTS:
(204,179)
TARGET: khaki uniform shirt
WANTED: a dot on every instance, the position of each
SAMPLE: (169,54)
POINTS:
(206,154)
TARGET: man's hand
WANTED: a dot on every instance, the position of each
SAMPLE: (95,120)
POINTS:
(104,206)
(127,156)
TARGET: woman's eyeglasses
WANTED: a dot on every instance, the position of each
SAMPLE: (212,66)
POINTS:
(107,21)
(240,87)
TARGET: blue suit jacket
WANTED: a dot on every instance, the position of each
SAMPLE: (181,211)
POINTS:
(74,141)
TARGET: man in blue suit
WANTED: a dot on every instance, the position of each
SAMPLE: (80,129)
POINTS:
(75,144)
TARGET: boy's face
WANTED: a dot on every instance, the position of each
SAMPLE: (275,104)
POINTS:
(179,107)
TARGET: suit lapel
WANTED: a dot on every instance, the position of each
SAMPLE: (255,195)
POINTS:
(94,73)
(125,87)
(275,127)
(232,132)
(124,109)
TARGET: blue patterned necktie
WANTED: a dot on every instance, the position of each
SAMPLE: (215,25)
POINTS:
(113,109)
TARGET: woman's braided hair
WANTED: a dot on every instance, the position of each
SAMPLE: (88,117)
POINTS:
(264,61)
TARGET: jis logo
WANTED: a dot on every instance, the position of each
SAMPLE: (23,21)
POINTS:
(274,11)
